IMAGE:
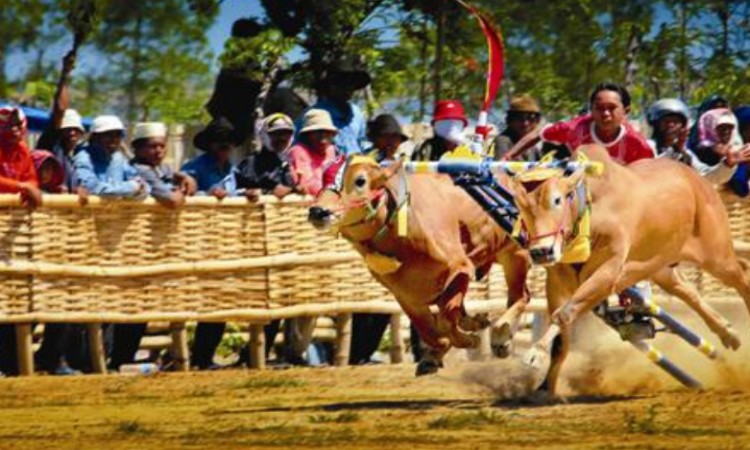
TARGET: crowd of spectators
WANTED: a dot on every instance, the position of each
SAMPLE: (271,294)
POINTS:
(297,157)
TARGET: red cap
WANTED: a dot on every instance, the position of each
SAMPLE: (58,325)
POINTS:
(449,109)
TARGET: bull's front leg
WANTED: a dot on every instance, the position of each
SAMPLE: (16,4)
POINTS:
(515,269)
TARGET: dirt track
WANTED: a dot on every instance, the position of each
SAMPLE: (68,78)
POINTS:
(617,400)
(365,407)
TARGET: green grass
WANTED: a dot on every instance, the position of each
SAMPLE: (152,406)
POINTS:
(476,419)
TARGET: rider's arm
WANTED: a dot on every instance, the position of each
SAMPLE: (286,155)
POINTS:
(524,144)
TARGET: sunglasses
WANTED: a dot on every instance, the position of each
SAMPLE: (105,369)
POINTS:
(522,116)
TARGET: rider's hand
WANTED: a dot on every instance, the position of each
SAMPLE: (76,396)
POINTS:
(218,192)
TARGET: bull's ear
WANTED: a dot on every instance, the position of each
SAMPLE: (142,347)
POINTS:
(572,181)
(520,194)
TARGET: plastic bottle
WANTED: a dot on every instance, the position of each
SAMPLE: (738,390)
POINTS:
(139,369)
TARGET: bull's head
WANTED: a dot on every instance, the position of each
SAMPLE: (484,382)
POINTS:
(548,210)
(355,197)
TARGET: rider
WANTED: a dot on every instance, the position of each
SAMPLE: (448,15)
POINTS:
(606,125)
(669,119)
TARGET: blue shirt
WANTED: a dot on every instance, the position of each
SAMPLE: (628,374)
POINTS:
(351,123)
(206,171)
(104,174)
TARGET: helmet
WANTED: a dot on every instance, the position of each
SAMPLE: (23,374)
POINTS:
(449,109)
(665,107)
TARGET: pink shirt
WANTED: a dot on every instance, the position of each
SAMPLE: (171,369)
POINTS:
(629,146)
(308,167)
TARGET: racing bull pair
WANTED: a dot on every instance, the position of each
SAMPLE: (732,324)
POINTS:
(637,223)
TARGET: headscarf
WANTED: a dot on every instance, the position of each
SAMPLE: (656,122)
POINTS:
(275,122)
(58,175)
(709,121)
(9,115)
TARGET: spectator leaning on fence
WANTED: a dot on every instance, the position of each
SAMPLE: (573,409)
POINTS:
(267,171)
(100,166)
(150,147)
(216,141)
(65,131)
(17,175)
(17,172)
(314,151)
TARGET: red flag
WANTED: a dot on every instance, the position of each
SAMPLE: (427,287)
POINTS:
(496,65)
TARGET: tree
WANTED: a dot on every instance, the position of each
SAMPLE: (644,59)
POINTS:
(157,56)
(19,23)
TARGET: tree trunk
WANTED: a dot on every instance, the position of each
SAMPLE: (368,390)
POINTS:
(439,49)
(135,70)
(425,64)
(3,80)
(631,66)
(683,65)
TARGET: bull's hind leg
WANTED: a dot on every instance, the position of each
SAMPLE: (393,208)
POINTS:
(451,304)
(671,281)
(732,272)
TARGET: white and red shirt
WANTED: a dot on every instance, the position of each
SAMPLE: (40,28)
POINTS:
(627,147)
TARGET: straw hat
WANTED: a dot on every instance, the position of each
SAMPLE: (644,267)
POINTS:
(146,130)
(524,103)
(317,120)
(103,124)
(71,119)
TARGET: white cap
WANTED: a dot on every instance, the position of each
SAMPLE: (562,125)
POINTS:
(145,130)
(71,119)
(102,124)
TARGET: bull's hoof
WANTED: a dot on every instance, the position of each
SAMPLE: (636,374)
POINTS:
(502,340)
(730,339)
(503,350)
(474,323)
(428,367)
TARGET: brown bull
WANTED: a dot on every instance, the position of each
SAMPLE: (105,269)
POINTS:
(646,218)
(450,239)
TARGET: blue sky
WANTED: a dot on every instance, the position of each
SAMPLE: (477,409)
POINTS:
(231,10)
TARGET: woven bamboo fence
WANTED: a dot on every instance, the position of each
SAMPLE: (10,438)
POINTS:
(210,260)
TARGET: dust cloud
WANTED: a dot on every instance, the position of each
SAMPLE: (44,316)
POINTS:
(601,364)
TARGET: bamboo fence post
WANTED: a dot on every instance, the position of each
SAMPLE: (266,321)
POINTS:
(257,346)
(96,345)
(397,340)
(24,349)
(179,347)
(343,340)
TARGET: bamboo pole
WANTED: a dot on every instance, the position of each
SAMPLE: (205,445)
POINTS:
(179,347)
(343,340)
(24,349)
(286,260)
(96,347)
(94,202)
(252,315)
(397,340)
(257,346)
